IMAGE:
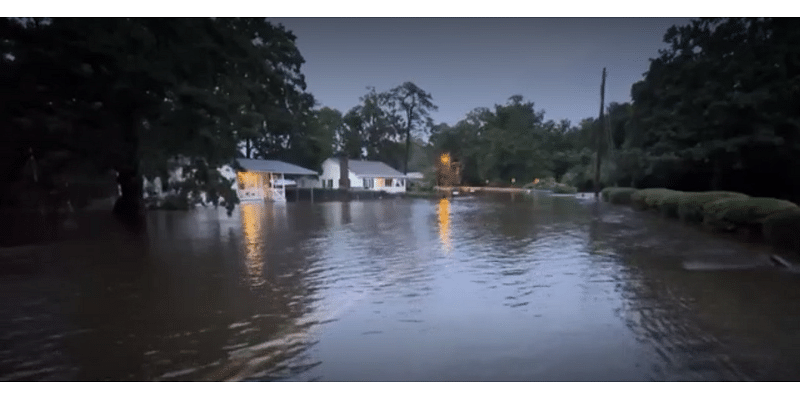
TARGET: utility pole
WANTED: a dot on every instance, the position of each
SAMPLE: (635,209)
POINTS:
(599,137)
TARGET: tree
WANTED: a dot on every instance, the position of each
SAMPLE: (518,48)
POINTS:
(720,102)
(513,141)
(371,131)
(317,139)
(140,95)
(410,106)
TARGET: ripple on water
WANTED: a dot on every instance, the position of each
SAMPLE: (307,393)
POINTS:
(329,288)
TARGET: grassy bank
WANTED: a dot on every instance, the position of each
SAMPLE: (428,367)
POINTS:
(422,195)
(773,220)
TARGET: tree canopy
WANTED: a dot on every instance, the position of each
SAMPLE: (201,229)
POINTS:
(138,95)
(719,108)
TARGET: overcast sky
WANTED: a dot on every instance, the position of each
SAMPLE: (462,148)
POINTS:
(466,63)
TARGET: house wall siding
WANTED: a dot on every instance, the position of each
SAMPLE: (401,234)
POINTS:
(330,172)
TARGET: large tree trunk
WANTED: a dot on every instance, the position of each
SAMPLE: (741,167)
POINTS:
(129,208)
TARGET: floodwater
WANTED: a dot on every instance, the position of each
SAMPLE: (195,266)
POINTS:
(499,287)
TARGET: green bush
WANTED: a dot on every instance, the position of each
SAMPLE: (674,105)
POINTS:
(732,213)
(690,205)
(781,229)
(668,203)
(714,210)
(648,198)
(606,191)
(618,195)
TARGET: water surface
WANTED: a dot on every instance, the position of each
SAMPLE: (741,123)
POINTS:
(495,287)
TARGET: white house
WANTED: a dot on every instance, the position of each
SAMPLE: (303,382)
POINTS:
(260,180)
(363,175)
(266,179)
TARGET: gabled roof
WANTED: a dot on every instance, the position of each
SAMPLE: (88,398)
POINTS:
(274,166)
(371,169)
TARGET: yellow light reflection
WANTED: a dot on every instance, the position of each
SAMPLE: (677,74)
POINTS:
(444,224)
(252,218)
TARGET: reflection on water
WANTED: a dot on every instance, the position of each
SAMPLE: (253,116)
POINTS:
(444,224)
(252,216)
(538,288)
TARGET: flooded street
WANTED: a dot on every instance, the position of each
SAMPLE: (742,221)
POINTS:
(497,287)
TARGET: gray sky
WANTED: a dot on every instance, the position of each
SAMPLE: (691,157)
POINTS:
(466,63)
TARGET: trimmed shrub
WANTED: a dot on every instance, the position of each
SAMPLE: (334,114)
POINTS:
(605,192)
(620,195)
(738,212)
(637,199)
(647,198)
(714,210)
(781,229)
(668,203)
(690,205)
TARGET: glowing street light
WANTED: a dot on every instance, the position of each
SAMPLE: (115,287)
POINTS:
(445,159)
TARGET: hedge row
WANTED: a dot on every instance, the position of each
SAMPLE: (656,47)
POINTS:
(778,220)
(618,195)
(650,199)
(690,206)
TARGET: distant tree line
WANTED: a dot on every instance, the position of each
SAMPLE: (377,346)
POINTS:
(142,96)
(718,109)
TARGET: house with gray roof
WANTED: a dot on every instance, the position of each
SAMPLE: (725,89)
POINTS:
(363,175)
(265,179)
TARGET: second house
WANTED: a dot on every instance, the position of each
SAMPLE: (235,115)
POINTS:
(363,175)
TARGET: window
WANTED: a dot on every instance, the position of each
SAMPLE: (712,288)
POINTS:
(330,183)
(366,184)
(389,182)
